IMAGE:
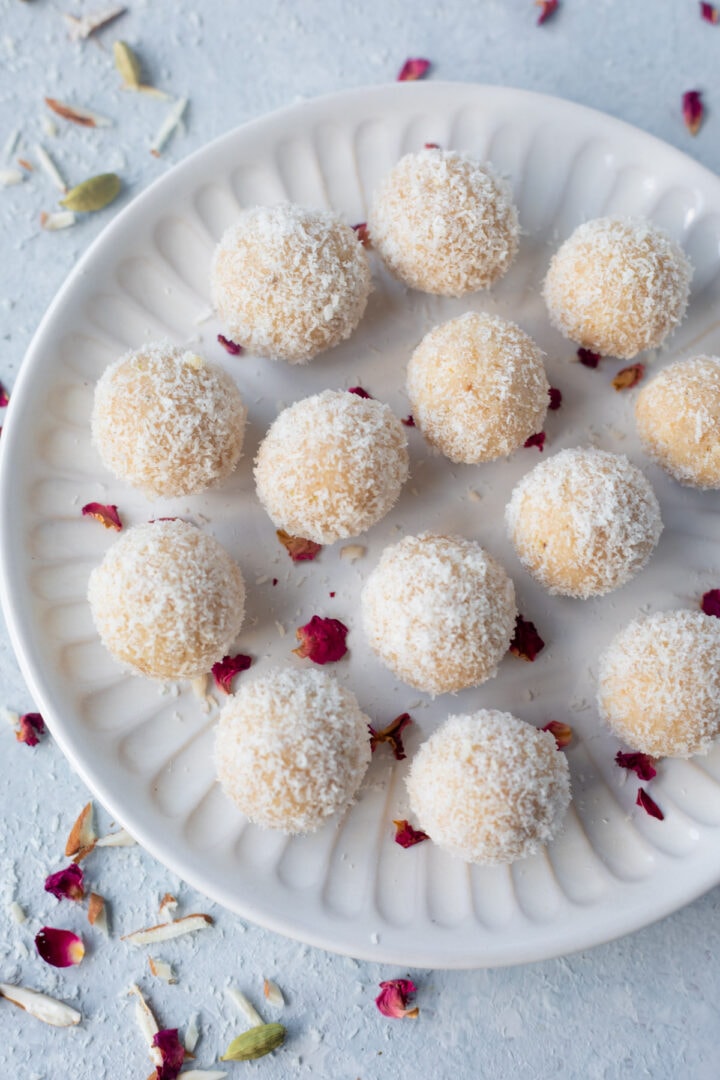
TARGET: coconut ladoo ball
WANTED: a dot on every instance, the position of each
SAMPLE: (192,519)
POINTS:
(167,600)
(288,282)
(617,286)
(678,420)
(489,788)
(167,422)
(659,683)
(583,522)
(444,222)
(291,749)
(477,388)
(331,465)
(439,611)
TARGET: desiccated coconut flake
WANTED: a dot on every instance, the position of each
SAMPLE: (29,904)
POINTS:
(166,931)
(201,1074)
(82,26)
(273,993)
(17,912)
(11,144)
(9,177)
(192,1034)
(245,1006)
(82,835)
(168,126)
(61,219)
(41,1006)
(352,552)
(49,167)
(168,907)
(119,838)
(161,970)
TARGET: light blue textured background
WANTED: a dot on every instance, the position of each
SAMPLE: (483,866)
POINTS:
(646,1006)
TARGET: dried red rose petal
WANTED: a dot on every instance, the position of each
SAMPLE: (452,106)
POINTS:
(548,8)
(60,948)
(363,233)
(299,549)
(555,396)
(432,146)
(536,440)
(359,391)
(392,734)
(406,836)
(66,884)
(709,12)
(393,998)
(629,377)
(409,420)
(649,805)
(4,397)
(229,346)
(526,642)
(226,669)
(588,358)
(106,515)
(693,110)
(641,764)
(30,729)
(172,1052)
(710,602)
(322,640)
(563,733)
(412,69)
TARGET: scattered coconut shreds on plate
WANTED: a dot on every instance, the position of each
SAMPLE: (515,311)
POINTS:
(161,970)
(97,913)
(352,552)
(273,994)
(192,1034)
(77,115)
(41,1006)
(82,837)
(168,127)
(168,907)
(10,177)
(167,931)
(119,838)
(17,912)
(49,167)
(81,27)
(245,1006)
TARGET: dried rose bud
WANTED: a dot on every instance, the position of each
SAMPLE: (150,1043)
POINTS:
(393,999)
(526,642)
(588,358)
(226,669)
(392,734)
(555,396)
(172,1053)
(415,68)
(536,440)
(4,397)
(299,549)
(363,233)
(322,640)
(106,515)
(649,805)
(693,110)
(709,12)
(563,733)
(66,884)
(641,764)
(30,729)
(359,391)
(229,346)
(629,377)
(547,8)
(60,948)
(409,420)
(406,836)
(710,602)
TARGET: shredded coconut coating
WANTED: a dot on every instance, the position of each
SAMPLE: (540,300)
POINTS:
(331,465)
(678,420)
(489,788)
(477,388)
(583,522)
(618,286)
(292,748)
(445,222)
(167,422)
(659,683)
(167,600)
(289,282)
(439,611)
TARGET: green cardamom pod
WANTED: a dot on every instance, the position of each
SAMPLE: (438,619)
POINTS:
(127,64)
(93,194)
(255,1043)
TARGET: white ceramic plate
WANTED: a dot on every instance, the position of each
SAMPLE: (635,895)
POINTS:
(146,751)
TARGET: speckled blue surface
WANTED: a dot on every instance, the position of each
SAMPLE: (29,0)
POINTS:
(646,1006)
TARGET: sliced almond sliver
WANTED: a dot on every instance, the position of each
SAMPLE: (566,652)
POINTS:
(167,931)
(168,907)
(273,993)
(42,1007)
(351,552)
(119,838)
(168,126)
(192,1034)
(161,970)
(81,27)
(147,1023)
(82,835)
(245,1006)
(97,912)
